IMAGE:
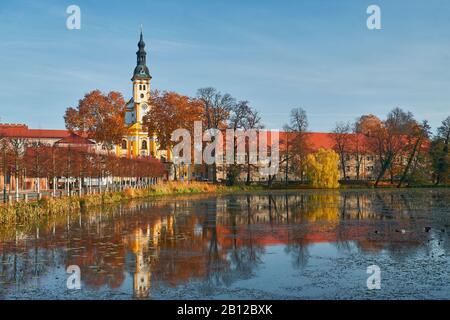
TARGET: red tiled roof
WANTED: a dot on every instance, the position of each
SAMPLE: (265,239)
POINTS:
(314,140)
(74,139)
(22,131)
(320,140)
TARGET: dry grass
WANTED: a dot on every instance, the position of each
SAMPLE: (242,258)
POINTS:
(23,212)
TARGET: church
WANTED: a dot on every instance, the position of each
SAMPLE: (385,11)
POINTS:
(137,142)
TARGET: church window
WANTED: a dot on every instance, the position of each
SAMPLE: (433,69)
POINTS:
(144,145)
(124,144)
(140,87)
(142,96)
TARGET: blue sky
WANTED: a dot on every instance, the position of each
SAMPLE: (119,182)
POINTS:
(315,54)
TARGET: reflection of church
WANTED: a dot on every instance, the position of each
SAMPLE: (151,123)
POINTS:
(142,274)
(137,142)
(144,244)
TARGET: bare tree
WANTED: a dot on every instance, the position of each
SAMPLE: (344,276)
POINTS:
(295,143)
(342,138)
(217,108)
(251,121)
(236,122)
(17,147)
(4,148)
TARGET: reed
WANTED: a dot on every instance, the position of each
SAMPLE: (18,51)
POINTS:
(33,212)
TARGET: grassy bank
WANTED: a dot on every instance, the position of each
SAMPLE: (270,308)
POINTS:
(47,208)
(30,212)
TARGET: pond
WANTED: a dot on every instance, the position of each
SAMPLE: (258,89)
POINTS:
(278,245)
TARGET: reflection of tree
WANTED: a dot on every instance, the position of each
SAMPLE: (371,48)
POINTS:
(246,257)
(214,240)
(299,252)
(217,269)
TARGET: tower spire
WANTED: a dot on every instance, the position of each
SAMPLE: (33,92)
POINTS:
(141,70)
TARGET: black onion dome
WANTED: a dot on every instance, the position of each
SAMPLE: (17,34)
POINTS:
(141,71)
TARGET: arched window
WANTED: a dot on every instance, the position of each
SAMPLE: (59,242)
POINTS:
(140,87)
(144,144)
(144,86)
(124,144)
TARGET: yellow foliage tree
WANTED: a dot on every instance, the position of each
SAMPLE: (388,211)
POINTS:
(322,169)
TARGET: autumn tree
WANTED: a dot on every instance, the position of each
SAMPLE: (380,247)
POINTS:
(17,147)
(171,111)
(99,117)
(366,123)
(322,169)
(37,161)
(387,139)
(419,134)
(440,153)
(52,170)
(358,149)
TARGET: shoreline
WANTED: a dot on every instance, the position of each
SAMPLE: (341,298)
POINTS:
(34,212)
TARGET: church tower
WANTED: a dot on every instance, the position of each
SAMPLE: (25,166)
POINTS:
(137,142)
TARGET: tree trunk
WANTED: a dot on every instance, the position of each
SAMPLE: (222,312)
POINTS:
(344,172)
(17,187)
(384,166)
(54,186)
(286,171)
(408,165)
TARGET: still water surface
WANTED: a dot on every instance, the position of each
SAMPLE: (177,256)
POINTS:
(295,245)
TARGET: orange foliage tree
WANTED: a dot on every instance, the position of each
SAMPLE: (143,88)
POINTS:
(171,111)
(99,117)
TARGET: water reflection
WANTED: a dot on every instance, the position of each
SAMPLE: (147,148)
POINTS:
(155,246)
